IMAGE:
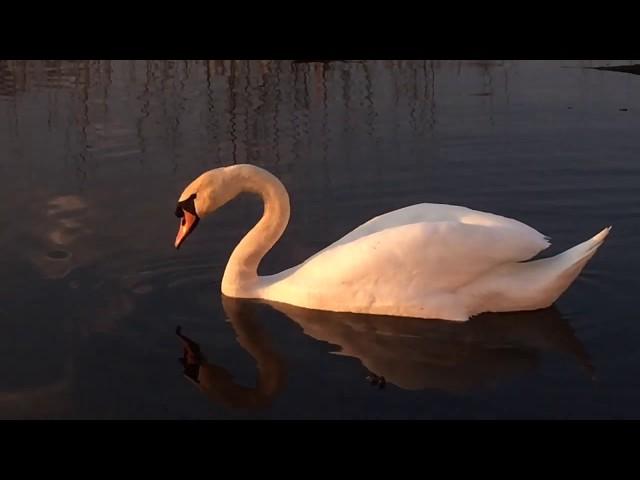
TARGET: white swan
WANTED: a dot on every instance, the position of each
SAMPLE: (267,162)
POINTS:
(424,261)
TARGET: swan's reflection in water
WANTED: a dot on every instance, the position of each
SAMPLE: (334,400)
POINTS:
(217,383)
(412,354)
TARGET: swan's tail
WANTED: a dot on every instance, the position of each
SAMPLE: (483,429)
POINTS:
(568,264)
(553,276)
(538,283)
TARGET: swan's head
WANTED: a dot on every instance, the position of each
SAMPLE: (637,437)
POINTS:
(203,196)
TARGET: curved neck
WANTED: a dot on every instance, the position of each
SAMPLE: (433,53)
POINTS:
(241,273)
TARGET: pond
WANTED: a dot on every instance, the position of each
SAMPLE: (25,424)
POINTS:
(93,157)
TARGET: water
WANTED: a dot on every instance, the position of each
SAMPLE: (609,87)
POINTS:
(93,156)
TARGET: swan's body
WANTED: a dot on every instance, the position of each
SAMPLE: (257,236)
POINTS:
(425,261)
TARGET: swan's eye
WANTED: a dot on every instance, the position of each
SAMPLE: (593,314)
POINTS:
(187,205)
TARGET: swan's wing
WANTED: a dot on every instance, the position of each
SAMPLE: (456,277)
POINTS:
(418,257)
(432,213)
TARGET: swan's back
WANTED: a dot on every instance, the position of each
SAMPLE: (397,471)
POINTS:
(437,212)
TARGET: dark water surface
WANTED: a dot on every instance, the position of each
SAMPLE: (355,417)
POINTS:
(93,156)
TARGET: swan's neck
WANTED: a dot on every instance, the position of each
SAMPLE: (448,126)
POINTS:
(241,274)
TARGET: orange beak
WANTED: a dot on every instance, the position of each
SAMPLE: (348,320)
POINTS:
(187,224)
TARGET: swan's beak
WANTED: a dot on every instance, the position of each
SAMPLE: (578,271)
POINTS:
(188,224)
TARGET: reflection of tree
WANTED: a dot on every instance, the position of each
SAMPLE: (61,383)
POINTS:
(166,92)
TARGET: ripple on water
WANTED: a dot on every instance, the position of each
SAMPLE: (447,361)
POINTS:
(59,255)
